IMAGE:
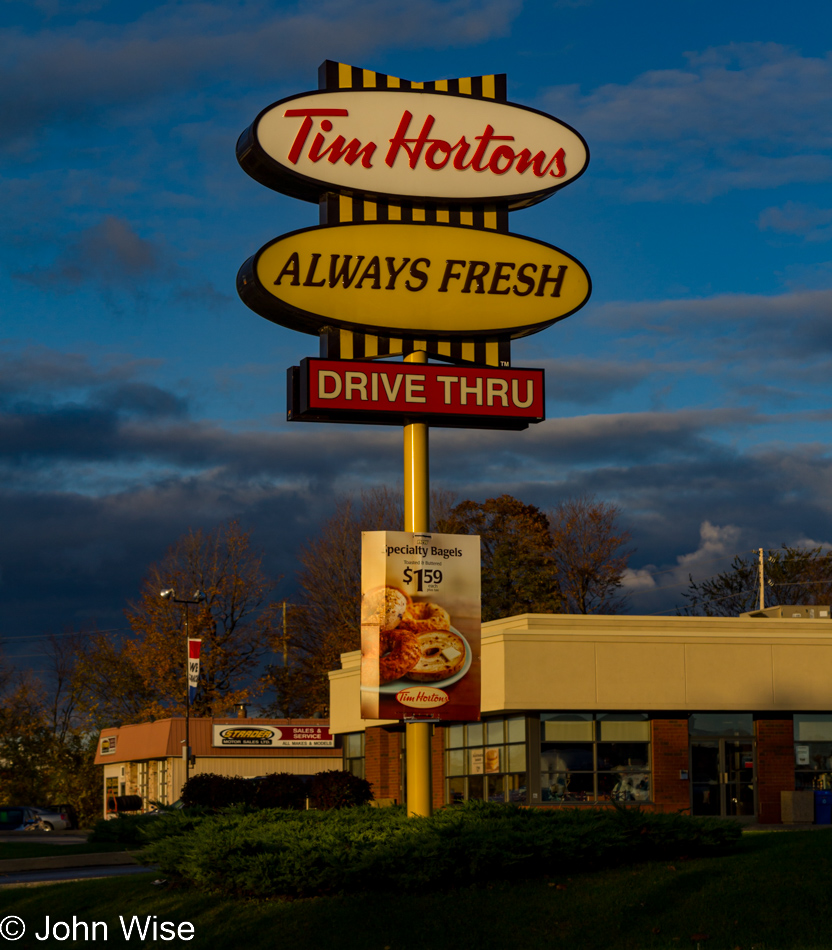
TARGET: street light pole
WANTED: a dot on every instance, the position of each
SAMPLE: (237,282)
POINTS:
(199,597)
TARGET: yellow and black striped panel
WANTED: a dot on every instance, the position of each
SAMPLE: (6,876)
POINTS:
(342,209)
(338,209)
(337,344)
(332,76)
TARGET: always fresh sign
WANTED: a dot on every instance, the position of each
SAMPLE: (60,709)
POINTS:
(411,144)
(393,277)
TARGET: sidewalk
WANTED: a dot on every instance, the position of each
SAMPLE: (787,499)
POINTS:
(60,861)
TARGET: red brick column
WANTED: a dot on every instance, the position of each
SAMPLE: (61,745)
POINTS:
(382,761)
(670,756)
(437,766)
(775,766)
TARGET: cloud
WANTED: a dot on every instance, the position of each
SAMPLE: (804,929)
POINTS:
(590,381)
(102,467)
(746,115)
(794,324)
(715,544)
(110,253)
(806,221)
(67,74)
(38,369)
(637,580)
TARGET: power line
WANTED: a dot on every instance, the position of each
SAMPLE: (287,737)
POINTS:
(71,633)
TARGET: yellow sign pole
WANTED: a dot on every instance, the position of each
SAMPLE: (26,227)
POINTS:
(417,518)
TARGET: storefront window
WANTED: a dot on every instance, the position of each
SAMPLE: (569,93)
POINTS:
(721,724)
(813,751)
(354,753)
(162,778)
(486,760)
(143,782)
(587,757)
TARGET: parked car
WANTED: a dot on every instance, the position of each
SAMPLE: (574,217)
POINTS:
(159,809)
(18,818)
(123,804)
(52,820)
(69,811)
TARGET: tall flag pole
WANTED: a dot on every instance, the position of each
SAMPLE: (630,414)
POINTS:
(194,649)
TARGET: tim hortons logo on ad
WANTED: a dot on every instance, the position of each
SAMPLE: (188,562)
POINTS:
(395,278)
(387,393)
(399,144)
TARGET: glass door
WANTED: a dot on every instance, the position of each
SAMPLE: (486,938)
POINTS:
(739,777)
(722,777)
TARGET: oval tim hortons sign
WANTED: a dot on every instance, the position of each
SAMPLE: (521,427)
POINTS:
(411,144)
(390,278)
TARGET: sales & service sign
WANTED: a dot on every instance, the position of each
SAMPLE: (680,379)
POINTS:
(242,735)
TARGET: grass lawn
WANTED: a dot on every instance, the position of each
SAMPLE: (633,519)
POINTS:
(46,849)
(773,893)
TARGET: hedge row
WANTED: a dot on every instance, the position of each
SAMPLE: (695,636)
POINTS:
(207,793)
(282,853)
(330,789)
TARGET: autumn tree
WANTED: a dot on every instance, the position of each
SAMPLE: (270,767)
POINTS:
(589,554)
(792,575)
(235,622)
(47,752)
(518,569)
(109,689)
(25,740)
(325,621)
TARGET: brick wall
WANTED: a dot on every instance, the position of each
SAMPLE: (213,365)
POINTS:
(382,762)
(775,766)
(670,756)
(437,766)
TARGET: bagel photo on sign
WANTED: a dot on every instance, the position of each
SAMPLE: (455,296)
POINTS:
(420,626)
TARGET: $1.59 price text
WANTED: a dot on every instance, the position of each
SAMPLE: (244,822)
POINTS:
(424,578)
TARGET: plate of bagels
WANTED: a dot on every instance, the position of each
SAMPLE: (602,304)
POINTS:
(417,642)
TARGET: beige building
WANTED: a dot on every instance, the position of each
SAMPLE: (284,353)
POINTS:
(146,759)
(712,715)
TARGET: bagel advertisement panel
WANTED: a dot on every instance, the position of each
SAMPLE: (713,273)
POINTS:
(420,626)
(405,278)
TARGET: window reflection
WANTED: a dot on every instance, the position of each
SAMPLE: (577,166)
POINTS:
(487,761)
(595,758)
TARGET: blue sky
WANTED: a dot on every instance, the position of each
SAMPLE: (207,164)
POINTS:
(139,397)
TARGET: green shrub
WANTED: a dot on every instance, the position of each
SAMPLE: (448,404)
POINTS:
(331,789)
(338,789)
(123,829)
(209,790)
(137,830)
(287,853)
(280,790)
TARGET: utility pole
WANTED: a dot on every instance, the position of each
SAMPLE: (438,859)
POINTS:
(285,640)
(762,581)
(198,598)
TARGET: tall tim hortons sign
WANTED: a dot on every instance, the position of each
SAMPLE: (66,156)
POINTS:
(414,182)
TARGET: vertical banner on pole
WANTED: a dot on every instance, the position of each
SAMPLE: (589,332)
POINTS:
(194,649)
(420,626)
